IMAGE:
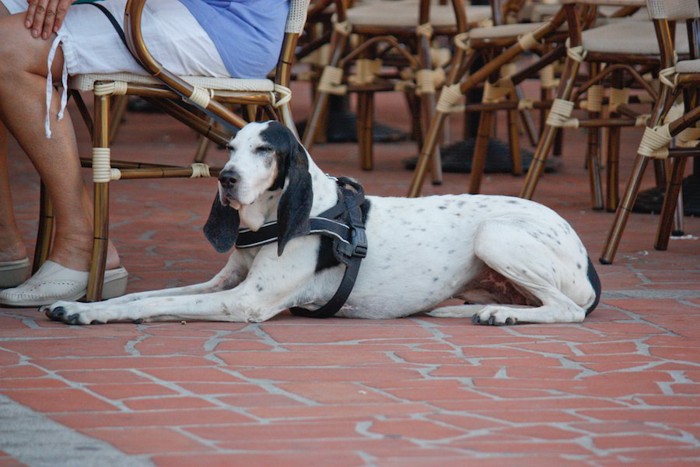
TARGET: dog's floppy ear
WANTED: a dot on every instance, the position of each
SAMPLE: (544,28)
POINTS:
(221,229)
(295,204)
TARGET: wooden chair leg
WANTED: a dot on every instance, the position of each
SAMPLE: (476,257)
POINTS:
(315,122)
(480,151)
(558,147)
(613,169)
(595,169)
(660,175)
(528,122)
(427,104)
(101,202)
(100,242)
(202,146)
(427,111)
(671,205)
(613,165)
(365,133)
(593,164)
(624,209)
(549,134)
(678,222)
(538,162)
(118,110)
(413,103)
(45,231)
(593,153)
(514,138)
(431,140)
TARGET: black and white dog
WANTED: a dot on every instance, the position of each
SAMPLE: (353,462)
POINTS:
(511,260)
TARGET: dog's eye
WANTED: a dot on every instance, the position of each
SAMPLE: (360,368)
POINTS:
(264,149)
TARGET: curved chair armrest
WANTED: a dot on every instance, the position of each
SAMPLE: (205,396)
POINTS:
(134,38)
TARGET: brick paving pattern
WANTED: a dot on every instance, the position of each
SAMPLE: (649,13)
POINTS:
(621,388)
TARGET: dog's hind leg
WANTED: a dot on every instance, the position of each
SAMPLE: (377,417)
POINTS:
(541,265)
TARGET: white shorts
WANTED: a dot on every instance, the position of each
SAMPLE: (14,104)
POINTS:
(91,44)
(173,36)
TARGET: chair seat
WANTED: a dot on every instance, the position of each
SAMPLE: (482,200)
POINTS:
(87,82)
(503,31)
(543,11)
(629,37)
(536,12)
(688,66)
(397,14)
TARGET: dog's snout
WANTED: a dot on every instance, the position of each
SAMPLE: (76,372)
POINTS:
(228,178)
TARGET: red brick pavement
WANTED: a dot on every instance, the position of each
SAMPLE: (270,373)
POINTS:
(623,387)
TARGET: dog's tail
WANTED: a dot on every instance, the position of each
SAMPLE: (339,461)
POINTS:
(595,282)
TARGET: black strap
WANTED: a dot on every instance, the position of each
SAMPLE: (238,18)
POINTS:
(112,20)
(353,253)
(338,299)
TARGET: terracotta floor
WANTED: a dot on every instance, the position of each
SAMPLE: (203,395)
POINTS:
(621,388)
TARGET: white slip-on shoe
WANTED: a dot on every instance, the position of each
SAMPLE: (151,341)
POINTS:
(13,273)
(53,282)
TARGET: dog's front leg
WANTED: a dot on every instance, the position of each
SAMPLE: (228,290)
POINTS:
(240,304)
(230,276)
(265,292)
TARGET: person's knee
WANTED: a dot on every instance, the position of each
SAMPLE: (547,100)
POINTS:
(19,51)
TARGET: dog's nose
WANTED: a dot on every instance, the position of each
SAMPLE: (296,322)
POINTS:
(228,178)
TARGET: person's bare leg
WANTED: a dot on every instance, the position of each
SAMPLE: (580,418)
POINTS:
(11,246)
(22,109)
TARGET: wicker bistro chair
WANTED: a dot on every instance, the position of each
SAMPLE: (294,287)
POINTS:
(618,55)
(393,52)
(193,100)
(674,120)
(500,45)
(572,20)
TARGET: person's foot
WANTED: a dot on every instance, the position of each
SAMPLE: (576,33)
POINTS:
(14,272)
(53,282)
(74,251)
(11,248)
(15,267)
(63,276)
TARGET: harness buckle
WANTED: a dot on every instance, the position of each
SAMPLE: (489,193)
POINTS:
(359,242)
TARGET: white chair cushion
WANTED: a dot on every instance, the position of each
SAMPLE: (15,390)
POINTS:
(503,31)
(87,82)
(629,37)
(405,14)
(688,66)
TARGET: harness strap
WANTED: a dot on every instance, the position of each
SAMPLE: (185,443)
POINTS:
(343,223)
(269,233)
(338,299)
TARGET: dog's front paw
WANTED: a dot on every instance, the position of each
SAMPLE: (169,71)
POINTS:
(494,316)
(66,312)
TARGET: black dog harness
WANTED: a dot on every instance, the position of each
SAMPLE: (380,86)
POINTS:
(343,223)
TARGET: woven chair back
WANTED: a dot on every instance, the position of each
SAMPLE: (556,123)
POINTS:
(673,9)
(296,16)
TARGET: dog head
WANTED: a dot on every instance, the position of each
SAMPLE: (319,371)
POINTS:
(263,158)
